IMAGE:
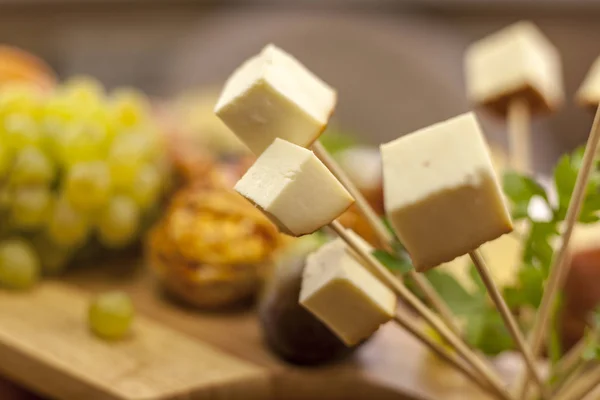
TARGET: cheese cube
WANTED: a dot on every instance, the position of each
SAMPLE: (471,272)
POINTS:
(272,95)
(440,191)
(589,92)
(293,187)
(343,295)
(516,61)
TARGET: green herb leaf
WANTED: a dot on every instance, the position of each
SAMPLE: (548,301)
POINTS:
(460,301)
(393,263)
(336,141)
(488,333)
(520,189)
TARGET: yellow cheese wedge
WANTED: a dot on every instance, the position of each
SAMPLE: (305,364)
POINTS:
(516,61)
(441,193)
(344,295)
(293,187)
(589,92)
(273,95)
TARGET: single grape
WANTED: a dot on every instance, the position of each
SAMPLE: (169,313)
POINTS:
(31,207)
(87,185)
(110,315)
(83,141)
(147,186)
(54,258)
(6,197)
(66,226)
(32,166)
(129,107)
(19,264)
(83,91)
(125,163)
(20,98)
(19,131)
(119,222)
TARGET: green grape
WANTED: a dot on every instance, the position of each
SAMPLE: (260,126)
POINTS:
(54,258)
(83,141)
(32,166)
(66,226)
(20,98)
(110,315)
(19,131)
(30,207)
(147,186)
(83,91)
(87,185)
(5,160)
(125,163)
(119,222)
(129,107)
(19,264)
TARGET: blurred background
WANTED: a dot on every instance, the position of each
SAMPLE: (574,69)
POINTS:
(397,64)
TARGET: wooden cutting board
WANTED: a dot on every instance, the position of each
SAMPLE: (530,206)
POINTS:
(180,353)
(45,344)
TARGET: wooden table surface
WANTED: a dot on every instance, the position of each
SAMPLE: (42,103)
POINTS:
(391,366)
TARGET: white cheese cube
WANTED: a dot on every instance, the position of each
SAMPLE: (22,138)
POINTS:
(589,92)
(273,95)
(516,61)
(293,187)
(342,294)
(440,191)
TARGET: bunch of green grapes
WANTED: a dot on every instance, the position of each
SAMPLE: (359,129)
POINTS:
(76,164)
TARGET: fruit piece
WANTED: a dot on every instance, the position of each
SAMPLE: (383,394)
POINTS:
(125,160)
(31,207)
(83,91)
(19,130)
(129,107)
(19,265)
(119,222)
(66,226)
(110,315)
(83,141)
(17,65)
(290,330)
(87,185)
(211,247)
(147,186)
(32,167)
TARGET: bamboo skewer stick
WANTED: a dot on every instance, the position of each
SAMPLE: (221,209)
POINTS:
(569,378)
(570,359)
(519,134)
(413,328)
(507,316)
(384,235)
(431,318)
(581,386)
(559,267)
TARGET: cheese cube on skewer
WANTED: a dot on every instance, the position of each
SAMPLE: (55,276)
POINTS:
(344,295)
(441,193)
(516,61)
(293,187)
(273,95)
(589,92)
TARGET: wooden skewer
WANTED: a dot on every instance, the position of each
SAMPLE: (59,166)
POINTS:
(412,327)
(570,359)
(431,318)
(569,378)
(507,316)
(384,235)
(519,134)
(559,266)
(581,386)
